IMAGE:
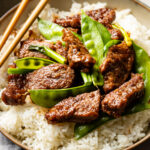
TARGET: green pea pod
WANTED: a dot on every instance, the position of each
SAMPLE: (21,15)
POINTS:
(82,129)
(95,36)
(18,71)
(49,52)
(78,36)
(50,97)
(108,45)
(124,33)
(142,65)
(32,63)
(52,31)
(86,77)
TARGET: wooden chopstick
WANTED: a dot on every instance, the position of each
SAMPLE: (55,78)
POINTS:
(143,3)
(23,30)
(13,22)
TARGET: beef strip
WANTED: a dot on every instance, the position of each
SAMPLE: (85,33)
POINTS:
(82,108)
(115,34)
(117,66)
(103,15)
(78,56)
(54,76)
(116,102)
(25,52)
(58,47)
(69,21)
(14,94)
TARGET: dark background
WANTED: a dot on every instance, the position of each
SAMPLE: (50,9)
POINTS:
(6,5)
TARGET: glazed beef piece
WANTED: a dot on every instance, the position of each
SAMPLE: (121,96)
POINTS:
(78,56)
(82,108)
(116,102)
(14,94)
(54,76)
(117,66)
(25,52)
(69,21)
(58,47)
(103,15)
(115,34)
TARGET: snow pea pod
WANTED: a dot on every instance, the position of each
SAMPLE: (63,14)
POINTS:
(78,36)
(142,65)
(50,97)
(108,45)
(52,31)
(28,64)
(86,77)
(95,36)
(18,71)
(32,63)
(127,38)
(82,129)
(49,52)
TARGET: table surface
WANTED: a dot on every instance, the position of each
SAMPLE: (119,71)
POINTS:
(6,144)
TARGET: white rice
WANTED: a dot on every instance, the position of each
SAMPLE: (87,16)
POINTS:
(27,123)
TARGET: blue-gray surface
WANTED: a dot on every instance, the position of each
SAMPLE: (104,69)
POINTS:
(6,144)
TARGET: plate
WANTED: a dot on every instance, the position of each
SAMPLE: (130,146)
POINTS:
(141,14)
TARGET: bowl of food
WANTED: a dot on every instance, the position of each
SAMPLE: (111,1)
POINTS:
(79,78)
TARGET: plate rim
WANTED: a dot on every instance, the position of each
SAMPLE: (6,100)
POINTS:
(16,141)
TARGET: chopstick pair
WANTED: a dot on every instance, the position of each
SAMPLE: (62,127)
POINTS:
(22,31)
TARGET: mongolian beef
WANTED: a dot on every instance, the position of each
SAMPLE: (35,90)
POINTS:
(103,15)
(82,108)
(117,66)
(78,55)
(127,94)
(53,67)
(15,92)
(25,52)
